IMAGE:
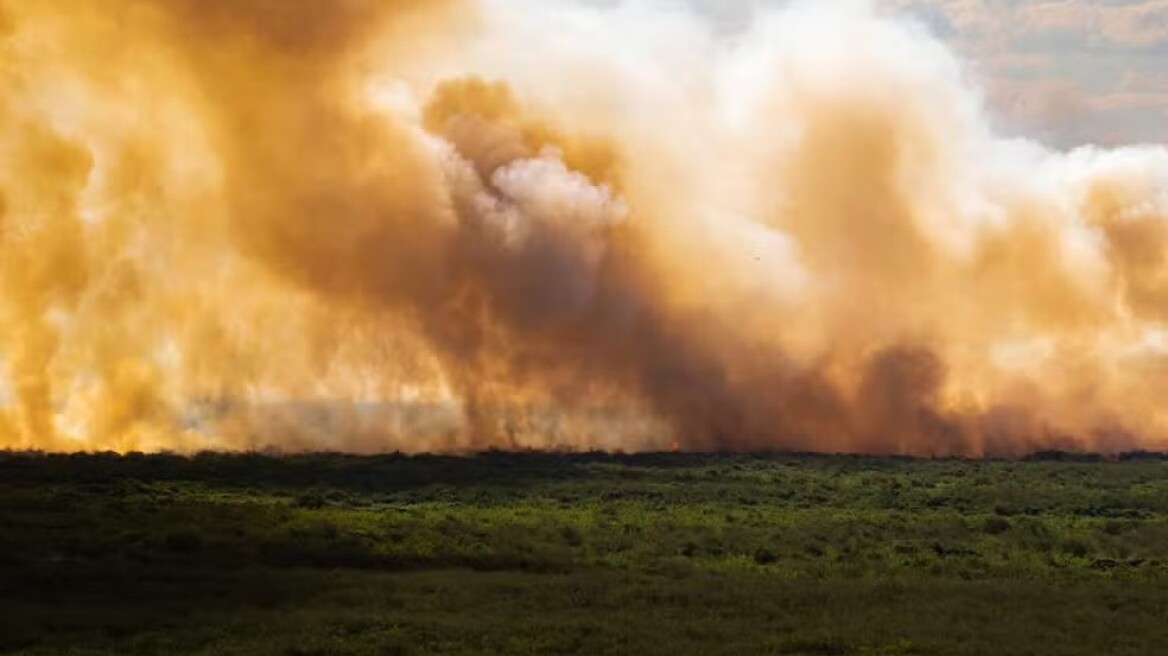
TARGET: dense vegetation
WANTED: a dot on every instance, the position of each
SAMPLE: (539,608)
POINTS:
(582,554)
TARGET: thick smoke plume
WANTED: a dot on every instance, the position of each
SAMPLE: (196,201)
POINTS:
(462,224)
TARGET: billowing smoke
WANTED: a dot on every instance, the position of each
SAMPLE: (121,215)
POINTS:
(462,224)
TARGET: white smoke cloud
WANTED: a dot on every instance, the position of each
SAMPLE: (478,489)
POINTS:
(576,223)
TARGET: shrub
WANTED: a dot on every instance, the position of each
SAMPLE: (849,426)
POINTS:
(996,525)
(1115,527)
(184,541)
(571,536)
(1076,548)
(311,499)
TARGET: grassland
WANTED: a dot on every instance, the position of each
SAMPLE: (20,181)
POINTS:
(582,554)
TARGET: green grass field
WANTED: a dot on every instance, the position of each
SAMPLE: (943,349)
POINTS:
(582,554)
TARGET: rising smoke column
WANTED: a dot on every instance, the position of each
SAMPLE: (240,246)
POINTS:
(470,224)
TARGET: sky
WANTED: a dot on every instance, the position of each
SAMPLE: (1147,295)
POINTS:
(1063,72)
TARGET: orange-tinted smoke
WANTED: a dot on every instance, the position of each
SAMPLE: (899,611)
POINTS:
(465,224)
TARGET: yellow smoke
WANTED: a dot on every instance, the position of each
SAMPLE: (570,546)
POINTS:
(484,223)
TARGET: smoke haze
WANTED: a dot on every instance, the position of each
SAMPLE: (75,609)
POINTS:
(463,224)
